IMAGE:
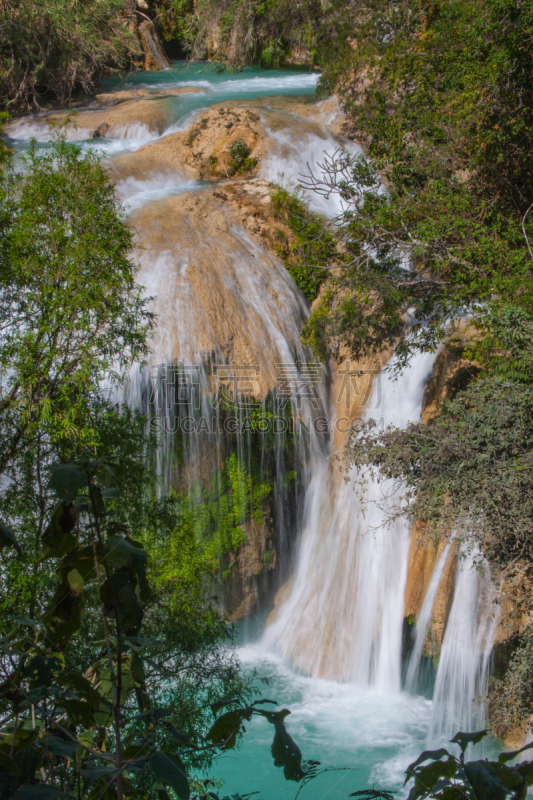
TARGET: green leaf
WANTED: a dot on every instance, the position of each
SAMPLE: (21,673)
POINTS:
(59,747)
(434,755)
(137,668)
(39,792)
(171,772)
(8,765)
(78,711)
(485,781)
(111,494)
(59,537)
(221,703)
(121,551)
(66,480)
(161,713)
(451,793)
(504,757)
(286,753)
(84,688)
(118,589)
(63,616)
(526,771)
(28,761)
(40,670)
(426,777)
(91,775)
(97,501)
(8,539)
(464,739)
(180,737)
(75,581)
(226,728)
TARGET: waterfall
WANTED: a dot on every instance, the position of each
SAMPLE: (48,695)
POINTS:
(424,618)
(220,389)
(462,674)
(342,615)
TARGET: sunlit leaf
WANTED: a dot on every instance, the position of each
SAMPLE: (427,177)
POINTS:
(226,728)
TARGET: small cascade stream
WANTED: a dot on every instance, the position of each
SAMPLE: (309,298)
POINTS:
(226,353)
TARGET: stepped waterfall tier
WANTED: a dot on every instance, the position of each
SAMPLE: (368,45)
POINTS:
(246,424)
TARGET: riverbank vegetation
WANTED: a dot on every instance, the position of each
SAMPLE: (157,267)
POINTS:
(239,33)
(439,226)
(50,48)
(113,662)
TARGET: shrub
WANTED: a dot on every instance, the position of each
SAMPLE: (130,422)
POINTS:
(52,47)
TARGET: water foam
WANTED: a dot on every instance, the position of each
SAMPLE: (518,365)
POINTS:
(295,155)
(136,192)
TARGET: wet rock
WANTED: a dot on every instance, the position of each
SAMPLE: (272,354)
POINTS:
(423,556)
(452,371)
(154,56)
(251,564)
(204,150)
(207,257)
(142,115)
(122,95)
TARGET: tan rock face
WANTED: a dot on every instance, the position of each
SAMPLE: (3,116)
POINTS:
(150,115)
(326,111)
(254,559)
(452,371)
(121,95)
(218,289)
(208,259)
(203,151)
(154,57)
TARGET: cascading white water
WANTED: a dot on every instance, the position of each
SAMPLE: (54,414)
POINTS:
(342,617)
(465,654)
(297,150)
(424,618)
(224,305)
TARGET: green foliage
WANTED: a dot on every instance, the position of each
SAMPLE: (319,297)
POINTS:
(511,693)
(208,524)
(49,48)
(71,312)
(452,778)
(470,470)
(437,225)
(445,106)
(175,19)
(251,31)
(239,157)
(313,244)
(5,151)
(93,721)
